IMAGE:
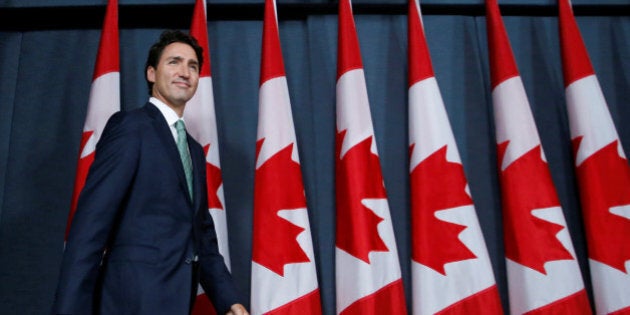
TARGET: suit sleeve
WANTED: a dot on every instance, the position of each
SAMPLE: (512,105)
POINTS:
(106,185)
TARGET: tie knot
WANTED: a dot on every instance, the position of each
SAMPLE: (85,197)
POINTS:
(179,125)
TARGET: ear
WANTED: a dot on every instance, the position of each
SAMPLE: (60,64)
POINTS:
(151,74)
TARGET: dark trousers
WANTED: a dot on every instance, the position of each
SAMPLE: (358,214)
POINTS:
(194,283)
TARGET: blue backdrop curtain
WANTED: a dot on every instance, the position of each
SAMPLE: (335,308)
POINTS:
(45,77)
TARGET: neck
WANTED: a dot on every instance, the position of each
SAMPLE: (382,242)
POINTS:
(178,109)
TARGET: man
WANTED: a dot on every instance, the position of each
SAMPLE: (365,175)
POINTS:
(142,237)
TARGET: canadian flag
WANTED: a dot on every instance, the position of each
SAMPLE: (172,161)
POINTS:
(368,278)
(284,277)
(104,100)
(201,123)
(450,266)
(543,274)
(602,170)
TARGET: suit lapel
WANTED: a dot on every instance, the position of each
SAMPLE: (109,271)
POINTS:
(165,135)
(199,166)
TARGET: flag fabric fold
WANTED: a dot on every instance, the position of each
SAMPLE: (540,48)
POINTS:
(602,170)
(368,277)
(451,269)
(284,277)
(543,274)
(104,99)
(201,123)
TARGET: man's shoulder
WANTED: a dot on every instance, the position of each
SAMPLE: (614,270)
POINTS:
(132,117)
(126,123)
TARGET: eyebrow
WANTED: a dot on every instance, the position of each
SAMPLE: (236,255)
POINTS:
(180,58)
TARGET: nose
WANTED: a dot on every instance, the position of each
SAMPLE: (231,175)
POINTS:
(184,71)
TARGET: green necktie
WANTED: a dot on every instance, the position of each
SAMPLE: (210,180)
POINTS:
(182,147)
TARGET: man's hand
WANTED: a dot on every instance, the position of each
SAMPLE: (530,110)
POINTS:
(237,309)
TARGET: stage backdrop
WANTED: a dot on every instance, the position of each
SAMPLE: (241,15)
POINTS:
(46,68)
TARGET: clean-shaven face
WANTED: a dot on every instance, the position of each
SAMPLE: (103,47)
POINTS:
(176,77)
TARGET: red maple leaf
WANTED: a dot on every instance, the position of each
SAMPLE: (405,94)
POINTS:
(277,186)
(526,184)
(604,180)
(358,177)
(437,185)
(213,182)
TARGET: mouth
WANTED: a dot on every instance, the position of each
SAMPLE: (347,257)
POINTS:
(182,84)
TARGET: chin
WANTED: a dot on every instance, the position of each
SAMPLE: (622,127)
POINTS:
(182,100)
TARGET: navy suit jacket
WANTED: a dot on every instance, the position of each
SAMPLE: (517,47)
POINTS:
(136,231)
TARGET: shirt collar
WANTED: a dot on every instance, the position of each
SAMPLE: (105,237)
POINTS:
(168,113)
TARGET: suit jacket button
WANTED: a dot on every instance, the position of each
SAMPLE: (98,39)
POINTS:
(188,261)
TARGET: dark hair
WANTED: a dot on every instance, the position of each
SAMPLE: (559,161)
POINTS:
(166,38)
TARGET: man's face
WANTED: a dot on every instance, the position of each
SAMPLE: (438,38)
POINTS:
(176,77)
